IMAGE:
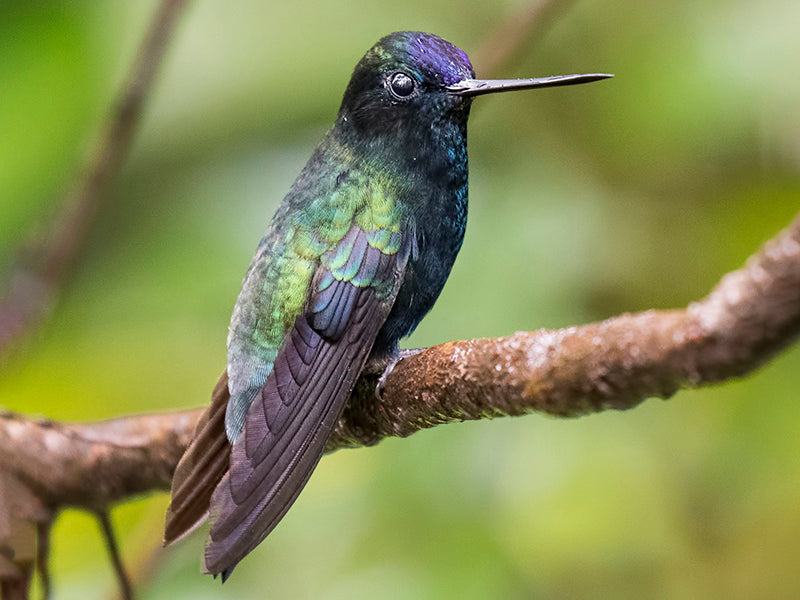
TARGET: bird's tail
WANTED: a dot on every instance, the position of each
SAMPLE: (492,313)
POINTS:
(200,469)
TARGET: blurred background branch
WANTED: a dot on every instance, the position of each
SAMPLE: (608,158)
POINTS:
(45,263)
(522,26)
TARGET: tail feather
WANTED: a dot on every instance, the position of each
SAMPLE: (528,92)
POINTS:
(200,469)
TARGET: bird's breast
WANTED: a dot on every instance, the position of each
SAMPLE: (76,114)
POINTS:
(438,236)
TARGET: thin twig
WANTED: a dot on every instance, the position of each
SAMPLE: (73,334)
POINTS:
(43,557)
(36,280)
(126,591)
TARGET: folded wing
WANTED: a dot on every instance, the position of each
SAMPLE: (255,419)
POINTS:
(289,422)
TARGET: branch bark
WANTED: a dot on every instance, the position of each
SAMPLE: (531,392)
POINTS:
(749,316)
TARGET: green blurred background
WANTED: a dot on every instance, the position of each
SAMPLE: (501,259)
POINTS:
(625,195)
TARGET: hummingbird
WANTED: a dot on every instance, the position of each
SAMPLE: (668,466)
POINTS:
(355,256)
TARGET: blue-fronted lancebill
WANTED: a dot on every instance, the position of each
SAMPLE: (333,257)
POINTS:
(354,258)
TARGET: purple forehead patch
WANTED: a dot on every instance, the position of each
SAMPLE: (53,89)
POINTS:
(441,58)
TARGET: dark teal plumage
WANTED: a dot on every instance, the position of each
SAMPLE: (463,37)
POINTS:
(354,258)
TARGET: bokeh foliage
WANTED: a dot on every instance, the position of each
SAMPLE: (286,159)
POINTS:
(620,196)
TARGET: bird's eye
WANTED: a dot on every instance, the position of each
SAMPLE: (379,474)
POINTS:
(401,85)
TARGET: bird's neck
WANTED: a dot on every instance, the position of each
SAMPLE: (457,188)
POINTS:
(429,161)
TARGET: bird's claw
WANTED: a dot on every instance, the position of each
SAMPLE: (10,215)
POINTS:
(400,355)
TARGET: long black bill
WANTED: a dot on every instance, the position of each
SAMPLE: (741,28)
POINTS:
(476,87)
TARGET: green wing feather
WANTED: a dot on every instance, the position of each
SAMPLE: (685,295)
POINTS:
(289,422)
(315,296)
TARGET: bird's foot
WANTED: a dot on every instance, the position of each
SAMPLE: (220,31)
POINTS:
(400,355)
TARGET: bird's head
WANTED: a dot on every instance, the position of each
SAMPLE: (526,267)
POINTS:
(410,82)
(403,80)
